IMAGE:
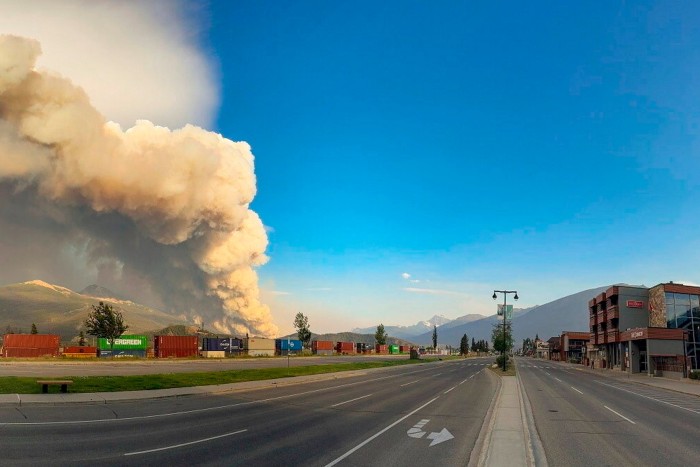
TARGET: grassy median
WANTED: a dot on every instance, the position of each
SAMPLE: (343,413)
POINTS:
(83,384)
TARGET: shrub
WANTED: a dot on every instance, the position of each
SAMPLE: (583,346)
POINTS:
(499,360)
(694,375)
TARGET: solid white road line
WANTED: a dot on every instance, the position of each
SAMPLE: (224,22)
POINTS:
(380,433)
(351,400)
(174,446)
(449,389)
(619,415)
(576,390)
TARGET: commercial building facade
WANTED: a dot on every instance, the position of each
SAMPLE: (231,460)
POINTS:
(648,330)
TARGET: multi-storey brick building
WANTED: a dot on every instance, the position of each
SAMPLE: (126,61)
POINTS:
(649,330)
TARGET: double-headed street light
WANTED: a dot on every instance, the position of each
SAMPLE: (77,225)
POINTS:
(505,295)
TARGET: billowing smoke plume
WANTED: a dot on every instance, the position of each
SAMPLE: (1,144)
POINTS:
(169,207)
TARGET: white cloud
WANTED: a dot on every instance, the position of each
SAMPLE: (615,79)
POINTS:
(136,60)
(406,275)
(432,291)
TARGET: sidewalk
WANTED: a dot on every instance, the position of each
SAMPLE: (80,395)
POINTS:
(511,439)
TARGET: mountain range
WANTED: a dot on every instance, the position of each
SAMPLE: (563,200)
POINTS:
(58,310)
(409,332)
(569,313)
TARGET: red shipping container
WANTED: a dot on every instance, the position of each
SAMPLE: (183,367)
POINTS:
(404,348)
(381,349)
(42,341)
(345,347)
(79,349)
(175,346)
(35,352)
(322,345)
(31,345)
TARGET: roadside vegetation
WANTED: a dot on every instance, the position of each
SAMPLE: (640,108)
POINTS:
(497,367)
(86,384)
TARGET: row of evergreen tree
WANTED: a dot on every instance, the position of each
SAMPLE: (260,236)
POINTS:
(481,345)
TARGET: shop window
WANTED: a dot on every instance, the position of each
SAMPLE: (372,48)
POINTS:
(668,363)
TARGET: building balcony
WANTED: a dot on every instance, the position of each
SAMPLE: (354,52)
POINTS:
(613,336)
(613,312)
(600,338)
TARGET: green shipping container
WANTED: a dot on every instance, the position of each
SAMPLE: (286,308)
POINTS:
(124,343)
(393,349)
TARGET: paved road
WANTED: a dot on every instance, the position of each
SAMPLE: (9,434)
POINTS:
(364,420)
(58,368)
(585,419)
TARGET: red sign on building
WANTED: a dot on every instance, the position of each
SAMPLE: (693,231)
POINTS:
(635,304)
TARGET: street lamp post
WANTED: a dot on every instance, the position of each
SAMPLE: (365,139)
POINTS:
(505,295)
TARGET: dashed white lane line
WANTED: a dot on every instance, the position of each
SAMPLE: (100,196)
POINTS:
(557,379)
(576,390)
(406,384)
(619,415)
(449,389)
(174,446)
(351,400)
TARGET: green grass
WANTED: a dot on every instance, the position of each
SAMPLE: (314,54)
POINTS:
(84,384)
(510,369)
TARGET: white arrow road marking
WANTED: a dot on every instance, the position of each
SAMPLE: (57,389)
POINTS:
(416,431)
(438,438)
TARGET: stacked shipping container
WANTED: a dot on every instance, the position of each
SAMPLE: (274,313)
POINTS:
(175,346)
(259,347)
(344,348)
(287,346)
(80,352)
(381,349)
(31,345)
(124,346)
(322,347)
(230,345)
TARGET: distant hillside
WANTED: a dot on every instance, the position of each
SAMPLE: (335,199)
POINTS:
(565,314)
(352,337)
(58,310)
(410,332)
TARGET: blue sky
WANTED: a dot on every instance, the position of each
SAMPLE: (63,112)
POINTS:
(544,147)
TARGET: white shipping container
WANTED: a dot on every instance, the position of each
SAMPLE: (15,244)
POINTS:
(261,352)
(258,343)
(213,354)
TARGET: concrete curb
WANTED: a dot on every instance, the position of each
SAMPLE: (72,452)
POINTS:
(481,446)
(536,452)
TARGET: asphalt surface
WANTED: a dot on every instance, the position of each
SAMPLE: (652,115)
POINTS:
(585,419)
(410,415)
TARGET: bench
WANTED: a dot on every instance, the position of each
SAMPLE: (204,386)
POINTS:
(46,383)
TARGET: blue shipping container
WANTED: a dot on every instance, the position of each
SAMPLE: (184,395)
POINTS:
(122,353)
(226,344)
(288,344)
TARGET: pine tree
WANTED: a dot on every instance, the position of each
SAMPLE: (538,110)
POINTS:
(34,329)
(464,345)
